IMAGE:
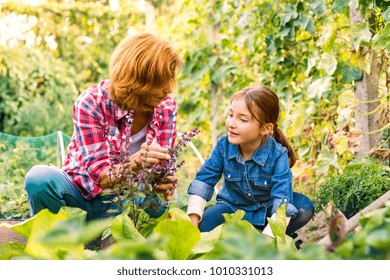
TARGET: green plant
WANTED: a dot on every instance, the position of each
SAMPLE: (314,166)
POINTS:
(361,182)
(136,193)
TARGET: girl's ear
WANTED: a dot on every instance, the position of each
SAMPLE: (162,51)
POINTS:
(267,129)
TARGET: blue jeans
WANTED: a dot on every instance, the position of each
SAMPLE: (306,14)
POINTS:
(212,216)
(48,187)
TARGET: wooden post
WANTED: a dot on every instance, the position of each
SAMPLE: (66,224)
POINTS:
(353,222)
(366,90)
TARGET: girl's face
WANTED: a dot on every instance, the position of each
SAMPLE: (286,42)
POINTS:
(242,127)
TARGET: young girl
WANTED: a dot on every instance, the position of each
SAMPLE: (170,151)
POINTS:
(254,159)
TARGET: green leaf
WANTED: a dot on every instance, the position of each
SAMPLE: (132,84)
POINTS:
(182,237)
(241,241)
(318,6)
(386,15)
(208,240)
(94,229)
(278,225)
(328,63)
(289,14)
(10,250)
(379,238)
(318,87)
(339,6)
(350,74)
(360,32)
(45,222)
(347,99)
(237,216)
(23,228)
(123,228)
(383,40)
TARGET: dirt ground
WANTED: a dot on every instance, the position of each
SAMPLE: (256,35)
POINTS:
(315,230)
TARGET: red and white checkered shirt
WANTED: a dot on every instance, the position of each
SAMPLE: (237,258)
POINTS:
(95,116)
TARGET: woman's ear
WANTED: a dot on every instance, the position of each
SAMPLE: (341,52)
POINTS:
(267,129)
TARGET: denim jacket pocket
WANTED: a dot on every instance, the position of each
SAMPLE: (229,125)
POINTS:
(232,176)
(262,183)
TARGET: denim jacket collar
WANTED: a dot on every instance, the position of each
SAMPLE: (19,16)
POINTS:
(260,156)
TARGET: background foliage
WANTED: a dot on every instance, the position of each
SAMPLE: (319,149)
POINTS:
(309,52)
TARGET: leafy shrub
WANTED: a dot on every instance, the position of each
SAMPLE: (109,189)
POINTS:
(361,183)
(372,241)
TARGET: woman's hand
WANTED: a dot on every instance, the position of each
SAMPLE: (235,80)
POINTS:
(150,154)
(167,187)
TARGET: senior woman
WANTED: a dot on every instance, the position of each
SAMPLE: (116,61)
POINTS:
(142,74)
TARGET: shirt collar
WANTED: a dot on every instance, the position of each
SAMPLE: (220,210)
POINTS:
(260,156)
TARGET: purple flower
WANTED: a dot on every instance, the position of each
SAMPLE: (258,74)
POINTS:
(132,189)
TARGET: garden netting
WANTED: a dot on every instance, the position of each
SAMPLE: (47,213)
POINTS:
(17,156)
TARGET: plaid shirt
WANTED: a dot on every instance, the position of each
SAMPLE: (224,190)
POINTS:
(95,116)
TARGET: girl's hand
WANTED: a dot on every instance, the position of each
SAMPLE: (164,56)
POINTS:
(167,187)
(194,219)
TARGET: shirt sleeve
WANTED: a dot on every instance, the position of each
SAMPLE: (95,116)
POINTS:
(196,205)
(208,175)
(91,142)
(281,191)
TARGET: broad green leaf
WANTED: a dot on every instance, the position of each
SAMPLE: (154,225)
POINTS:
(318,6)
(182,237)
(241,241)
(44,223)
(340,6)
(278,224)
(176,214)
(350,74)
(361,62)
(379,237)
(360,32)
(386,15)
(66,231)
(318,87)
(73,212)
(11,250)
(289,14)
(327,159)
(93,229)
(328,63)
(123,228)
(342,145)
(22,228)
(243,21)
(207,241)
(311,62)
(347,99)
(237,216)
(383,40)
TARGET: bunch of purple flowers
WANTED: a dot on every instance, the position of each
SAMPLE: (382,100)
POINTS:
(135,192)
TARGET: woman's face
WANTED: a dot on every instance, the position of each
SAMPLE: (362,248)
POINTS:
(156,95)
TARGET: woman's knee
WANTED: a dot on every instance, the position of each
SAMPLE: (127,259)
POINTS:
(38,179)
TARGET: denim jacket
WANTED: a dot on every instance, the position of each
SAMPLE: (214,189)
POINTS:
(262,181)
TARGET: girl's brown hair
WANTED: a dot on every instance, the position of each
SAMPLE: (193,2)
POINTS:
(263,104)
(140,63)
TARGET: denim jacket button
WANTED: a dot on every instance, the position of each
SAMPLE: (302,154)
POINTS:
(249,194)
(265,183)
(229,176)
